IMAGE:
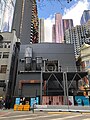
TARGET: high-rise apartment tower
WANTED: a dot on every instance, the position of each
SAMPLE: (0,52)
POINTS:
(77,36)
(26,21)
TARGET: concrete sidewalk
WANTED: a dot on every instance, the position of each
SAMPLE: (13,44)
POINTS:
(62,108)
(53,108)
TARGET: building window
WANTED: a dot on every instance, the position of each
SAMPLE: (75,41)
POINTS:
(3,68)
(2,81)
(1,45)
(5,45)
(0,55)
(9,45)
(5,54)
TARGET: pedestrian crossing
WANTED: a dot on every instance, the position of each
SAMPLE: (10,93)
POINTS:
(44,116)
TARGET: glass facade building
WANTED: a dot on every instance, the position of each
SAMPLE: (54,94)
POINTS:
(2,8)
(59,28)
(7,12)
(85,17)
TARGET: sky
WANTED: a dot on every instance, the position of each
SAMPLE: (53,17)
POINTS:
(72,10)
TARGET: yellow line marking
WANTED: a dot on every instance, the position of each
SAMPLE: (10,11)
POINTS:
(68,112)
(86,113)
(64,118)
(59,112)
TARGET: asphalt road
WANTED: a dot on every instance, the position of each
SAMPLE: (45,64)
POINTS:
(29,115)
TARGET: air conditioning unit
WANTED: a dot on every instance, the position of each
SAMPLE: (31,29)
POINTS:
(51,65)
(38,63)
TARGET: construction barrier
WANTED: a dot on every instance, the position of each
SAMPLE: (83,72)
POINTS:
(21,107)
(16,107)
(26,107)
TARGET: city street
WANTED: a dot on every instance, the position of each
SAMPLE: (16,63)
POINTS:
(29,115)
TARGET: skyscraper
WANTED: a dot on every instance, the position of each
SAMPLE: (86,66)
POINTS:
(85,17)
(26,21)
(53,33)
(59,28)
(67,23)
(41,30)
(6,15)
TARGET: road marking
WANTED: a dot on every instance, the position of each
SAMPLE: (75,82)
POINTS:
(17,116)
(74,116)
(60,112)
(86,113)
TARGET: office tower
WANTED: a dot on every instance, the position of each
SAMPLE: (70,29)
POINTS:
(59,28)
(41,30)
(7,11)
(53,33)
(26,21)
(67,23)
(61,25)
(2,7)
(85,17)
(77,36)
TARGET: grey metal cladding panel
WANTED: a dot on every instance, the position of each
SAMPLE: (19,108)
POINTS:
(26,28)
(62,52)
(31,90)
(53,48)
(50,48)
(17,17)
(29,76)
